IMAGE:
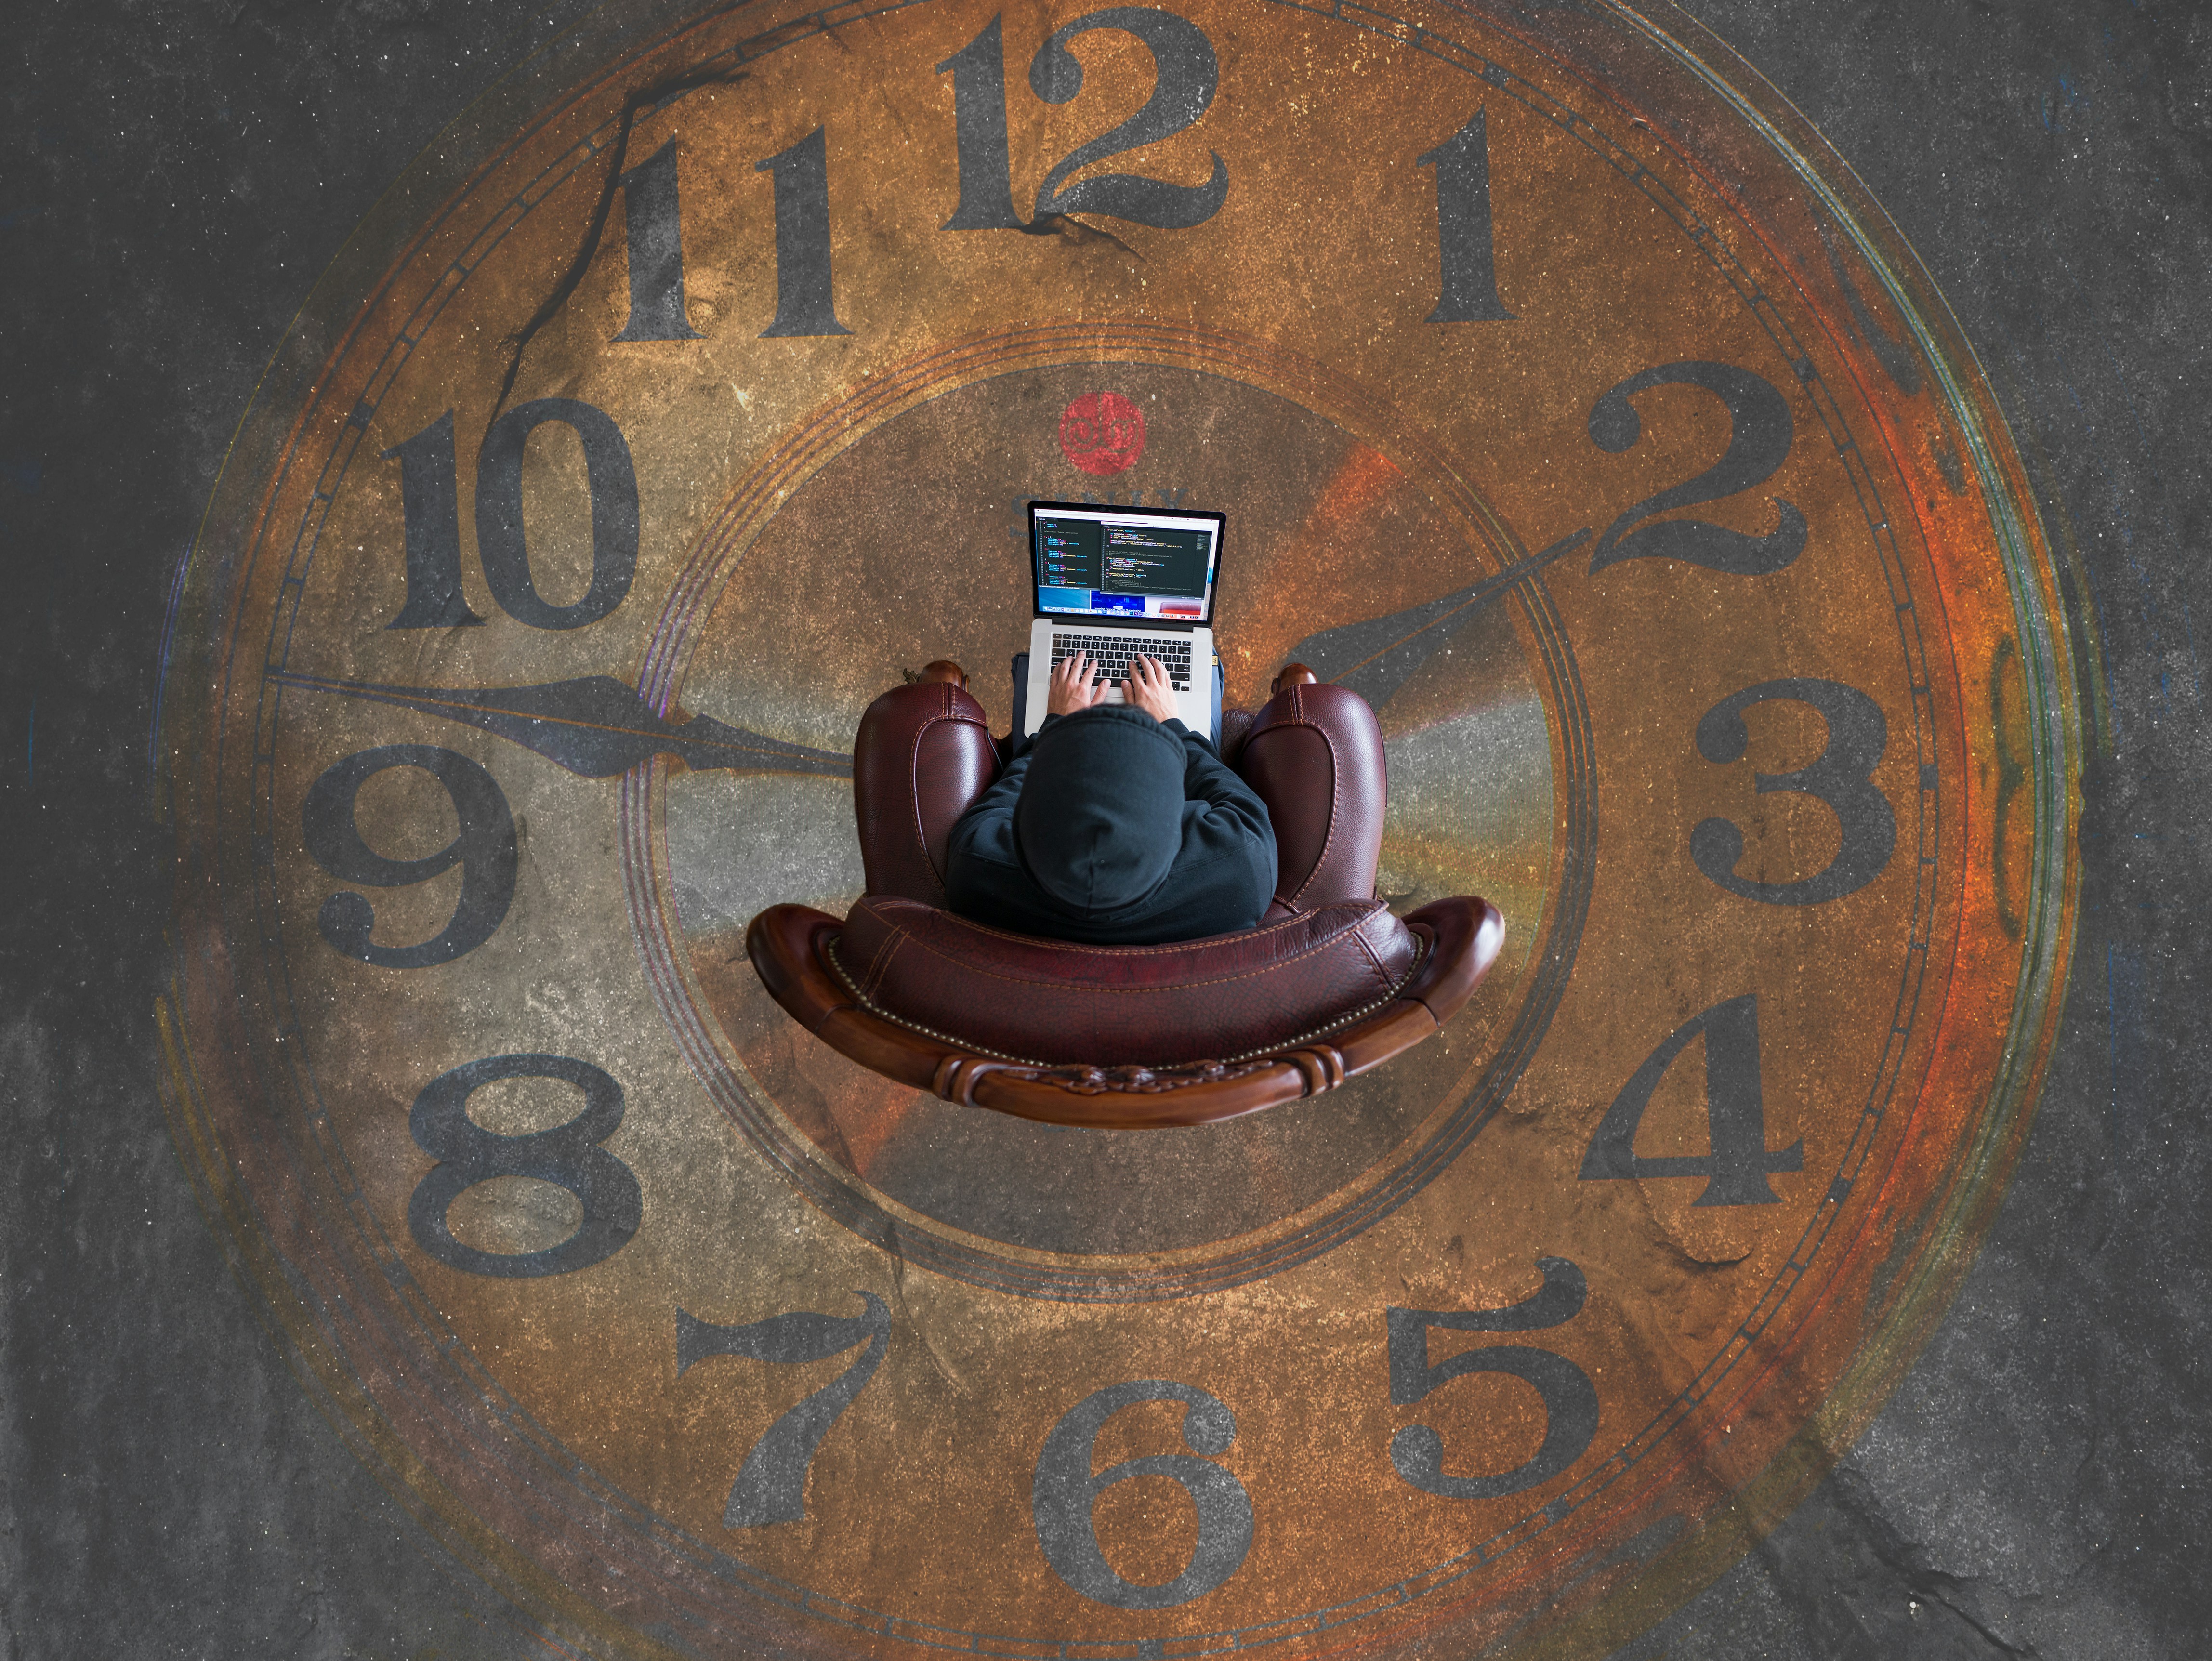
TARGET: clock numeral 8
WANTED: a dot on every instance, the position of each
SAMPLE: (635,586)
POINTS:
(1570,1399)
(567,1155)
(1063,1491)
(429,501)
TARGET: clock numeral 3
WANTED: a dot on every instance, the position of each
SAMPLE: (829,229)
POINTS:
(428,499)
(1186,74)
(1735,1115)
(1759,433)
(1570,1399)
(1464,240)
(771,1484)
(1064,1491)
(1841,775)
(484,848)
(567,1155)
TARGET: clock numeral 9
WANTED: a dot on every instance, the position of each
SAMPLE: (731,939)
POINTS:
(1186,74)
(1841,775)
(1570,1406)
(484,848)
(1064,1491)
(430,495)
(567,1155)
(771,1484)
(1735,1115)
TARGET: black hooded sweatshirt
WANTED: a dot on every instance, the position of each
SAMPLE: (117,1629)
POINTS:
(1112,829)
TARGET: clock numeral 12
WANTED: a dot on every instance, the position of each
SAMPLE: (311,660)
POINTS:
(429,500)
(771,1484)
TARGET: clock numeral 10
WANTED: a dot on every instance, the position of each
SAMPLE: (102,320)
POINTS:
(429,500)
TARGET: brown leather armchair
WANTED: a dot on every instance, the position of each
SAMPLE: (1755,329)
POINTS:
(1329,984)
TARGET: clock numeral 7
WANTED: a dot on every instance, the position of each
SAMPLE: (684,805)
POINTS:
(771,1484)
(1570,1406)
(429,495)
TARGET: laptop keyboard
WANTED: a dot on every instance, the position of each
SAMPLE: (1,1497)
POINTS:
(1111,654)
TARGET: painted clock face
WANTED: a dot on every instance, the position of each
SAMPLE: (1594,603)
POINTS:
(1565,397)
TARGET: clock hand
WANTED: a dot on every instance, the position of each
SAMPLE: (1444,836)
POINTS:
(1376,657)
(595,726)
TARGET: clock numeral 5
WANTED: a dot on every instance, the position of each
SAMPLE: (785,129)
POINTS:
(1735,1115)
(567,1155)
(1064,1491)
(1570,1406)
(771,1484)
(1188,74)
(484,848)
(430,499)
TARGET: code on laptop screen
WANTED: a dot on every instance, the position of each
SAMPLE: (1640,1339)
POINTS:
(1134,565)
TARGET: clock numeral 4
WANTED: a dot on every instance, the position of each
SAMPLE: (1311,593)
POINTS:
(771,1484)
(429,500)
(1570,1406)
(567,1155)
(1064,1491)
(1735,1115)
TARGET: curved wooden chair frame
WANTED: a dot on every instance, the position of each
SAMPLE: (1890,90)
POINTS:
(1461,938)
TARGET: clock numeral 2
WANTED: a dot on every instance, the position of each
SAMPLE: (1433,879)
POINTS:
(771,1484)
(429,500)
(567,1155)
(1063,1493)
(1735,1115)
(484,848)
(1187,76)
(1570,1406)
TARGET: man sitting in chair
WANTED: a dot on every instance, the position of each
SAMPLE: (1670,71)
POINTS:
(1115,825)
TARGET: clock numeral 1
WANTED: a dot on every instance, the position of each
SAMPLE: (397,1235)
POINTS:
(1570,1406)
(979,120)
(1464,241)
(567,1155)
(1064,1491)
(429,497)
(654,221)
(771,1484)
(804,305)
(1735,1115)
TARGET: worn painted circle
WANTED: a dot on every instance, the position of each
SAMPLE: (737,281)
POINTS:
(1566,397)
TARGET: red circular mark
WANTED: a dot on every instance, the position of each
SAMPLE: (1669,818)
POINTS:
(1102,433)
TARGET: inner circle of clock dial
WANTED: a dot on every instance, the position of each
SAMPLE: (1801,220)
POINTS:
(918,529)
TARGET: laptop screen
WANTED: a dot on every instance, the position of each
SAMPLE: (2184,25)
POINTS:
(1124,563)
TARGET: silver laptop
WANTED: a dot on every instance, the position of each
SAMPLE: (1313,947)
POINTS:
(1120,581)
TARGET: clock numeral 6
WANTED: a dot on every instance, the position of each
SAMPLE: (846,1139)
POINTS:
(1735,1115)
(1842,775)
(429,500)
(771,1484)
(567,1155)
(484,848)
(1064,1490)
(1570,1399)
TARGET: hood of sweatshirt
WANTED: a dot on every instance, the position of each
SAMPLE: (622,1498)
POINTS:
(1100,818)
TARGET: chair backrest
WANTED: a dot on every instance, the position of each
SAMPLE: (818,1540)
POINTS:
(1051,1001)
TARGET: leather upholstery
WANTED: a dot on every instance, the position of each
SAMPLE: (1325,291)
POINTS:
(1314,754)
(1052,1002)
(922,754)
